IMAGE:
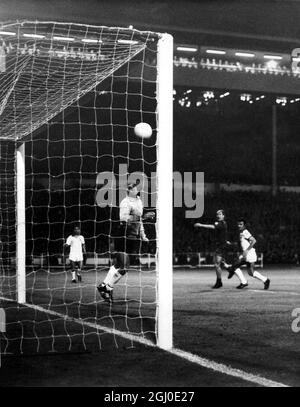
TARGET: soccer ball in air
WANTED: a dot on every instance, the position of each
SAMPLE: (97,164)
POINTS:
(143,130)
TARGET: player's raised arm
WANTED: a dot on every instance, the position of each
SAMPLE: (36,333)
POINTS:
(204,226)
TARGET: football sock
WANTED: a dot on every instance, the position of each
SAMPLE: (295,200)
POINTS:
(73,275)
(112,277)
(259,276)
(219,273)
(241,276)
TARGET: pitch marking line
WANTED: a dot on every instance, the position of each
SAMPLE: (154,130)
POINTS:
(245,290)
(198,360)
(228,370)
(273,292)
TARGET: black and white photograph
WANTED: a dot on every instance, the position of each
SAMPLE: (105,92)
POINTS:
(149,196)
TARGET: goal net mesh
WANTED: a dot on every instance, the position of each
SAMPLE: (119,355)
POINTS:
(73,94)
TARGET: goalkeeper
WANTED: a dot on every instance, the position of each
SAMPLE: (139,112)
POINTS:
(129,240)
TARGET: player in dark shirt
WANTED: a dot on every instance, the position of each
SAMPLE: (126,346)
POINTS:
(221,243)
(220,234)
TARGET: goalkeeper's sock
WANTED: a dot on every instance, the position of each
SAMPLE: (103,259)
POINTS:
(241,276)
(73,275)
(112,277)
(259,276)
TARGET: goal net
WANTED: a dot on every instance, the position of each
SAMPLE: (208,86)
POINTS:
(70,97)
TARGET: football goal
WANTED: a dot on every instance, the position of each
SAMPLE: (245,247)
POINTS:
(70,98)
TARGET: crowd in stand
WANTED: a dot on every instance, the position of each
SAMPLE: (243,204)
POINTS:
(274,221)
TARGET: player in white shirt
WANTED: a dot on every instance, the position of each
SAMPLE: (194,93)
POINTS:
(131,234)
(76,244)
(248,257)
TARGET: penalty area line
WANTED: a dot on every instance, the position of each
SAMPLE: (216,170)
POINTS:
(195,359)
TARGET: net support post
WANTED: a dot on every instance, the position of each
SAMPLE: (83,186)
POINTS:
(274,150)
(20,226)
(165,192)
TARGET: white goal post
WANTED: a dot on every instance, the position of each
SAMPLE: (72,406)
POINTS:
(164,146)
(165,191)
(21,225)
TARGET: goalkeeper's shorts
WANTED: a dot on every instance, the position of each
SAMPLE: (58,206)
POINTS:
(129,245)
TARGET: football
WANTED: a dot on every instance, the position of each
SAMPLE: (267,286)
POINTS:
(143,130)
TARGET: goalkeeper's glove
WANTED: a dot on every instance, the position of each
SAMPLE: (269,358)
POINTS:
(149,215)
